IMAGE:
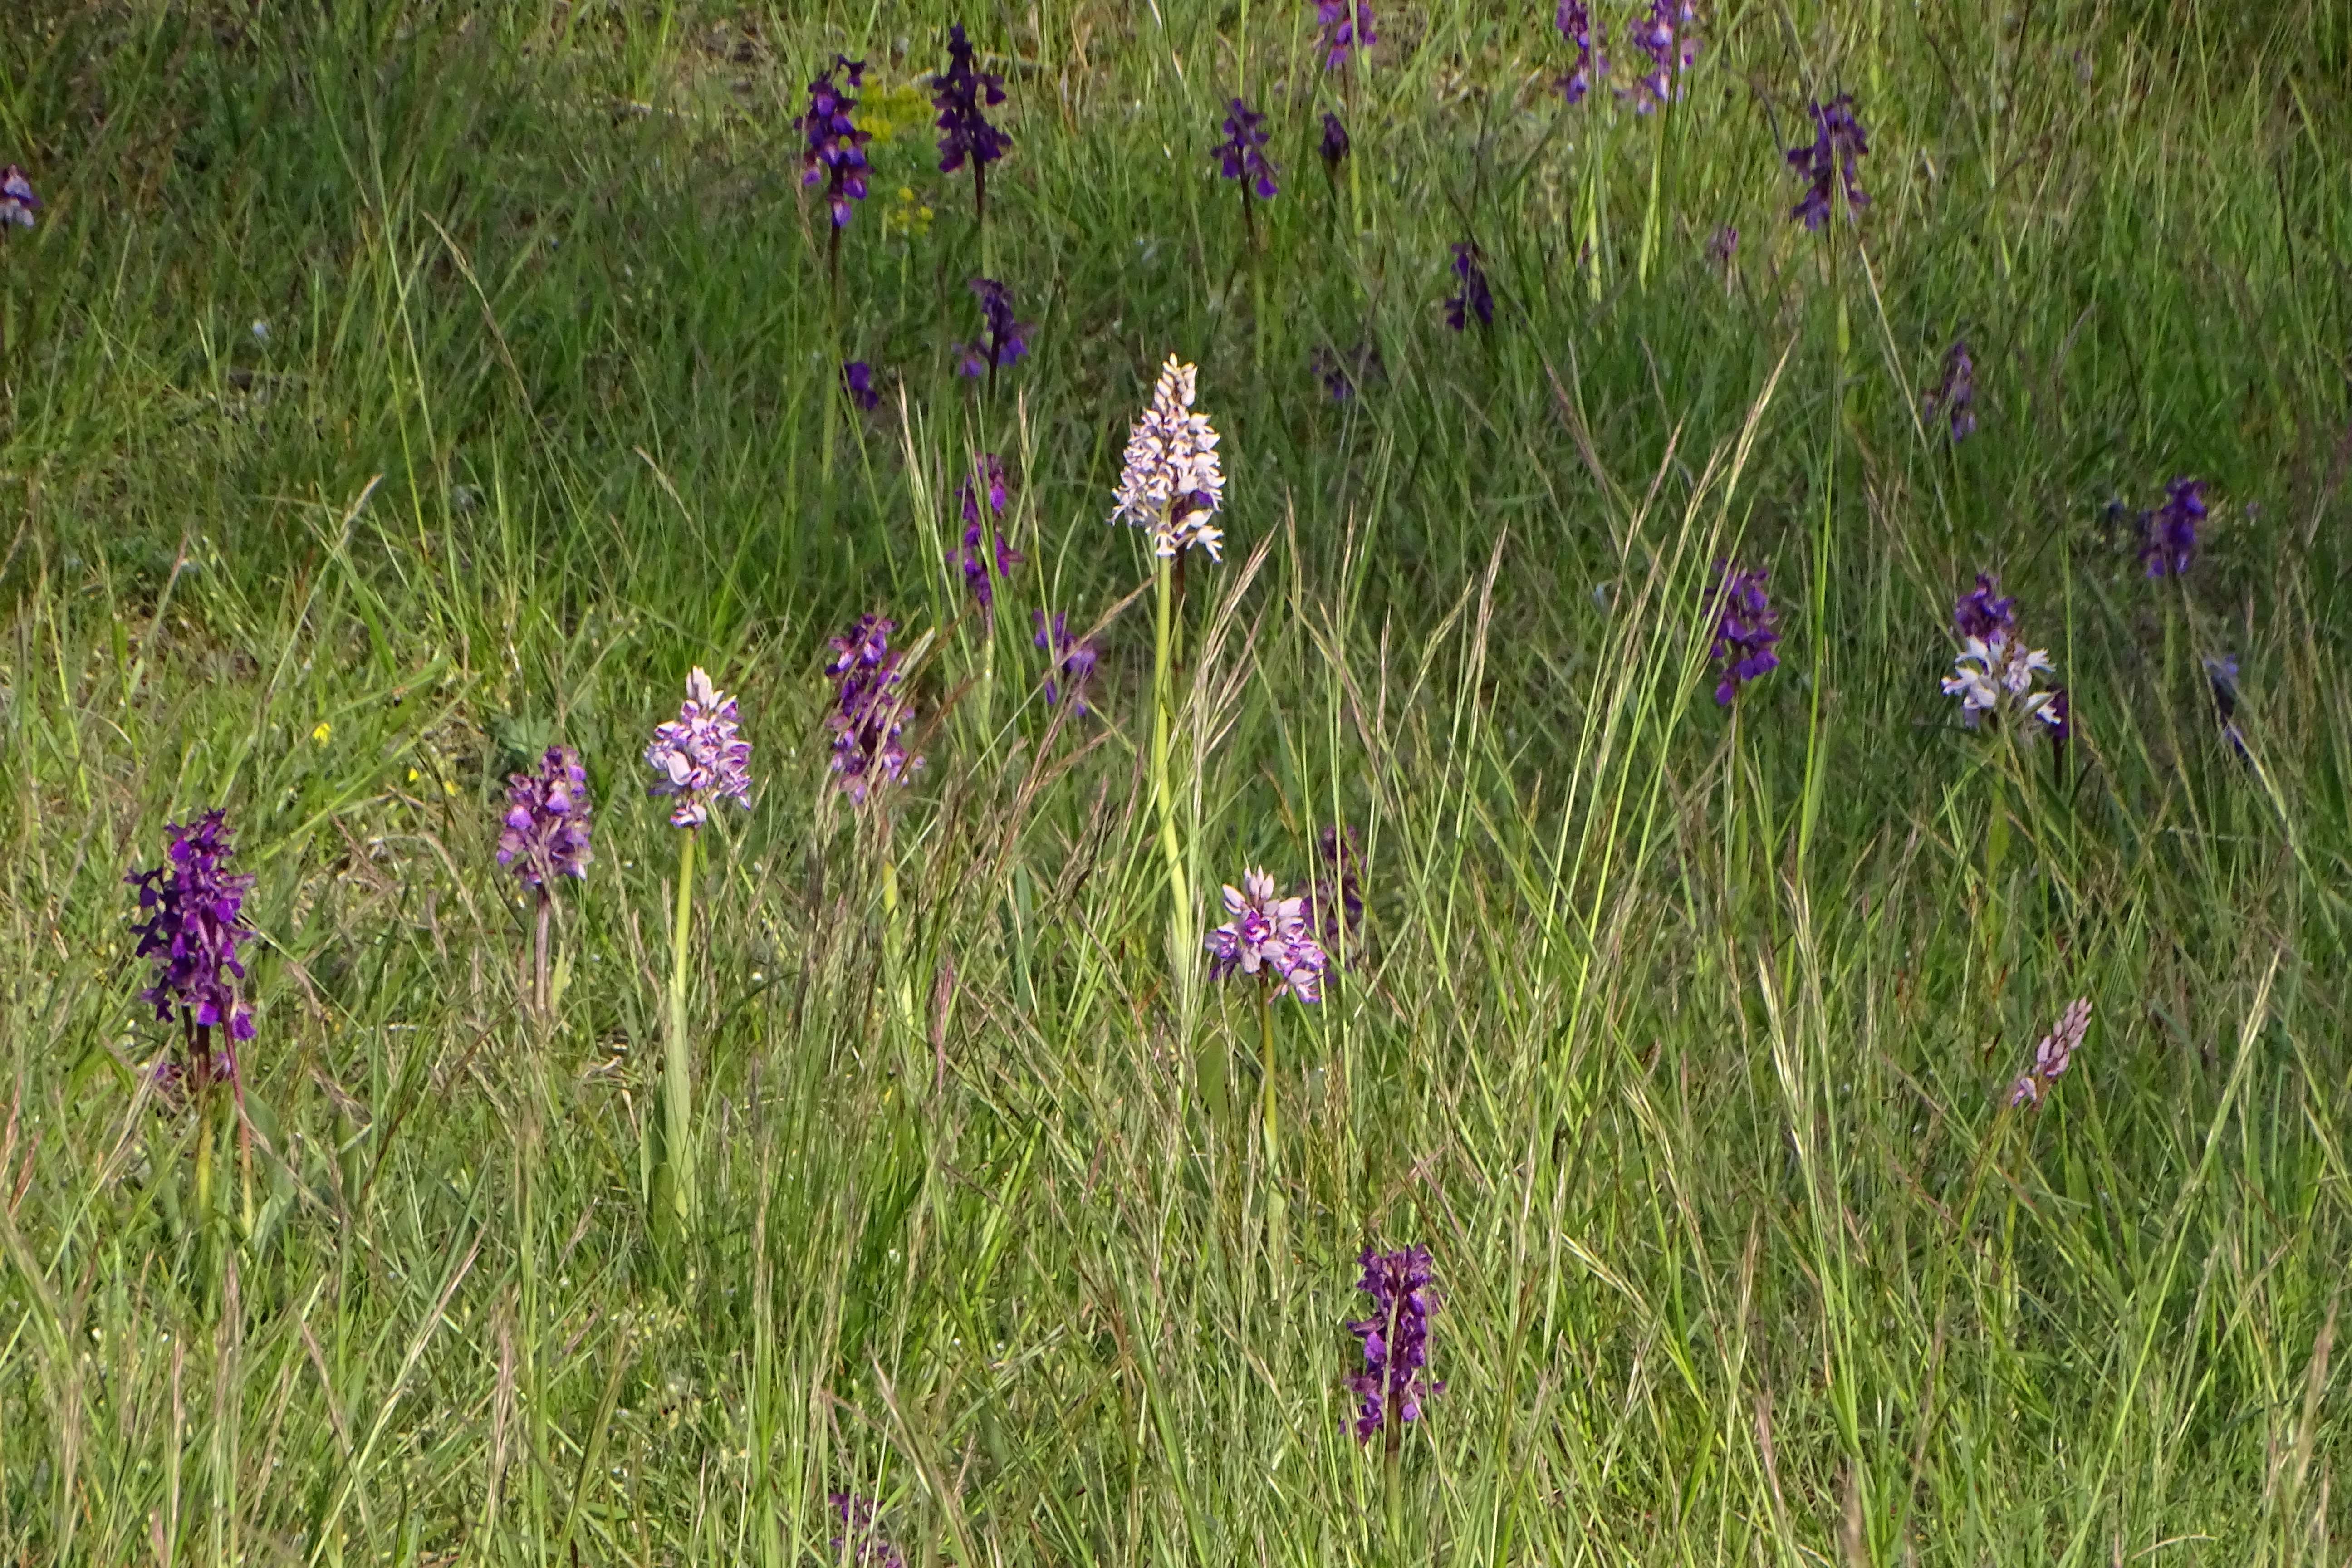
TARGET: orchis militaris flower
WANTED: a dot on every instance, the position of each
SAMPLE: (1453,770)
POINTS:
(1956,395)
(1662,36)
(1983,614)
(857,381)
(194,924)
(1069,661)
(973,557)
(1475,299)
(1346,24)
(1335,144)
(861,1541)
(1746,628)
(17,202)
(545,834)
(1392,1386)
(871,712)
(1267,936)
(1996,676)
(837,148)
(1335,900)
(1838,143)
(1576,26)
(2051,1057)
(700,756)
(2168,534)
(1169,480)
(1002,339)
(1242,154)
(959,93)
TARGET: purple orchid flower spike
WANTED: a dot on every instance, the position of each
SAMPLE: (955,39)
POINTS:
(861,1541)
(1954,396)
(1834,155)
(1393,1388)
(545,832)
(1575,21)
(18,204)
(871,709)
(1069,661)
(1004,340)
(1746,629)
(194,909)
(1242,154)
(1474,298)
(2054,1055)
(962,94)
(700,756)
(1347,27)
(2168,534)
(857,382)
(835,157)
(988,483)
(1982,612)
(1268,936)
(1663,33)
(1335,145)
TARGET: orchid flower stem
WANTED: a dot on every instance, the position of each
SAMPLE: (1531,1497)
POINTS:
(1181,945)
(1392,1490)
(541,996)
(678,1119)
(1276,1219)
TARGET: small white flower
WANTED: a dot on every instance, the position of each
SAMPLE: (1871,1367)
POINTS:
(1170,481)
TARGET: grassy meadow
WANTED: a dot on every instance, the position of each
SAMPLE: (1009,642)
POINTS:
(389,391)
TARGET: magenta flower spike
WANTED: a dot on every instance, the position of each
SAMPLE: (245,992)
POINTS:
(1347,27)
(194,909)
(18,204)
(1664,35)
(861,1541)
(1746,629)
(1475,298)
(836,155)
(1575,21)
(962,96)
(1834,154)
(2054,1055)
(2168,534)
(700,756)
(1170,479)
(1954,396)
(1394,1386)
(986,482)
(871,710)
(545,833)
(1269,937)
(1069,661)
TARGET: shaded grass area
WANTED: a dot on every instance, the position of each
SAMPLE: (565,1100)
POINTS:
(1682,1034)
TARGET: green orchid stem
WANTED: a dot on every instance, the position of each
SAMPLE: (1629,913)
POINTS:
(677,1117)
(1163,789)
(540,993)
(894,935)
(1392,1488)
(1277,1218)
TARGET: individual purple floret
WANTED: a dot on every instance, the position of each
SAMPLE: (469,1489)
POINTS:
(871,712)
(1335,900)
(1393,1387)
(2167,536)
(837,148)
(17,203)
(1983,614)
(1242,154)
(1335,144)
(2052,1056)
(1665,35)
(962,95)
(973,557)
(1346,26)
(861,1541)
(1837,146)
(700,756)
(1575,20)
(1746,627)
(1004,340)
(546,831)
(194,924)
(1956,397)
(1069,661)
(1267,936)
(857,381)
(1475,298)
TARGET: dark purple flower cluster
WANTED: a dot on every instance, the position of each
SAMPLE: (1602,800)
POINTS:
(1983,614)
(1002,339)
(1665,35)
(1242,154)
(1346,26)
(837,148)
(2167,536)
(988,480)
(1335,144)
(546,830)
(1576,26)
(1069,661)
(857,381)
(1475,298)
(1393,1388)
(194,924)
(861,1541)
(1745,629)
(17,202)
(960,94)
(2058,714)
(1343,372)
(1954,398)
(1837,147)
(1335,900)
(871,712)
